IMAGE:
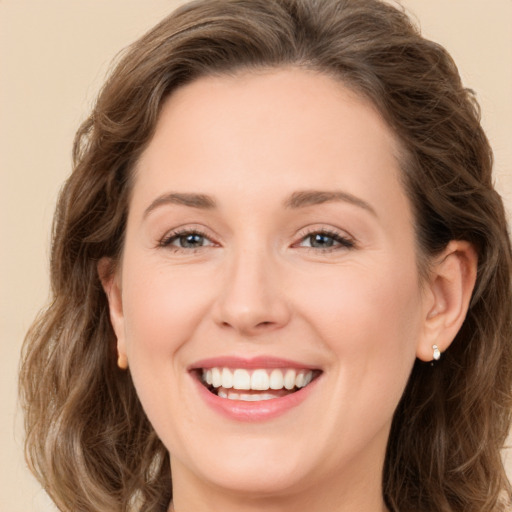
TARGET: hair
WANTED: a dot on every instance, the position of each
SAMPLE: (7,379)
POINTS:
(88,438)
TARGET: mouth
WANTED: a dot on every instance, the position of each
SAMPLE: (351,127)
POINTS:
(255,385)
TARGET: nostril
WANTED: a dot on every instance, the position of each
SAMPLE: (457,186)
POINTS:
(248,327)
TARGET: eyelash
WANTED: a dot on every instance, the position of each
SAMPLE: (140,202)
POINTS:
(167,241)
(343,242)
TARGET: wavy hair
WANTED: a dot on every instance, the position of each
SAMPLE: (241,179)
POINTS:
(87,437)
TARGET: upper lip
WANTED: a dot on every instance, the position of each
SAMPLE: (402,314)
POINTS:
(249,363)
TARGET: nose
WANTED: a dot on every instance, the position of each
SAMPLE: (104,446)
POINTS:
(252,299)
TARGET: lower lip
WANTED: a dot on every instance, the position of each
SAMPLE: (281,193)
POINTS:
(262,410)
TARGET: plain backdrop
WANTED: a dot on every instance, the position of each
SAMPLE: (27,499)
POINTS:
(54,55)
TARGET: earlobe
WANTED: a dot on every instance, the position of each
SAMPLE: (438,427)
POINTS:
(450,288)
(111,285)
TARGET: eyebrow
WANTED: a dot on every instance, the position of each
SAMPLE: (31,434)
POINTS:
(299,199)
(305,198)
(200,201)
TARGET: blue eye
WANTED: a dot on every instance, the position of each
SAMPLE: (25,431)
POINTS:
(321,241)
(324,240)
(190,241)
(186,240)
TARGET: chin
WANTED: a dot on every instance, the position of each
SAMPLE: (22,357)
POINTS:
(250,466)
(265,480)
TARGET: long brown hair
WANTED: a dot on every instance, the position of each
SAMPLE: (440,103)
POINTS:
(88,439)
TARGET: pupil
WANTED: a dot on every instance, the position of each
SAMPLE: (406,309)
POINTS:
(322,241)
(192,240)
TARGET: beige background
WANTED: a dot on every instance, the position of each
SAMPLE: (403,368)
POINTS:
(54,55)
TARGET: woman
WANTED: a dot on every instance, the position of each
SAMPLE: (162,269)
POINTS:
(281,274)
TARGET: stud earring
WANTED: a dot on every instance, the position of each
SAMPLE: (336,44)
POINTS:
(436,352)
(122,361)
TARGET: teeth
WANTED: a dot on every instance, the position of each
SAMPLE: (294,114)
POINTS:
(241,379)
(245,397)
(216,378)
(256,398)
(227,379)
(289,379)
(258,380)
(276,379)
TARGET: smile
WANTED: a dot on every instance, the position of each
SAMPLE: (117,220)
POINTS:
(253,385)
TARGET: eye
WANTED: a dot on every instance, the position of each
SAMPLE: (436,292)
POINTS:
(326,241)
(186,239)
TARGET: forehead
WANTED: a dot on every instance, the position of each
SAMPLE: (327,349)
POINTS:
(271,129)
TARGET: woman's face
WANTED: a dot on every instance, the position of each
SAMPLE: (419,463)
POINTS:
(270,242)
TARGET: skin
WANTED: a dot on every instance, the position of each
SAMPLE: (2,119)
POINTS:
(254,286)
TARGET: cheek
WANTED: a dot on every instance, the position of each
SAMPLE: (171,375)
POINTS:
(371,322)
(361,310)
(163,306)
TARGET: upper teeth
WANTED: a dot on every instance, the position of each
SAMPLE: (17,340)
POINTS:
(259,380)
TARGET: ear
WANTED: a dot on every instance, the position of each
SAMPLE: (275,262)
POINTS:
(111,285)
(448,294)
